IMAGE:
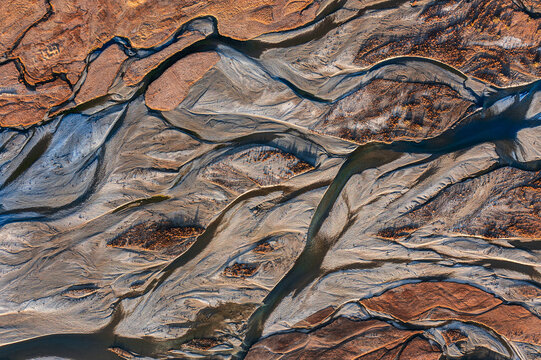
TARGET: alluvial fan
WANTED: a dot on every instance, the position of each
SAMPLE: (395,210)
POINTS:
(270,179)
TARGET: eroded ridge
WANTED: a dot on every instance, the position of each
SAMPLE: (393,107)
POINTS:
(425,320)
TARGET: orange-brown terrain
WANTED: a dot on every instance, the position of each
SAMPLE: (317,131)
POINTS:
(270,179)
(53,43)
(166,92)
(409,304)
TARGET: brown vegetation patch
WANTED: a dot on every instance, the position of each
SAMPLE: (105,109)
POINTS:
(521,217)
(296,165)
(203,343)
(300,167)
(505,203)
(453,336)
(263,248)
(79,292)
(153,236)
(386,110)
(490,39)
(123,354)
(255,166)
(240,270)
(396,232)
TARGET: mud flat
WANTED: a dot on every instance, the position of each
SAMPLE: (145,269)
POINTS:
(270,180)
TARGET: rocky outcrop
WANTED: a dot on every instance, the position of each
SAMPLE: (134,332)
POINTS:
(57,40)
(416,316)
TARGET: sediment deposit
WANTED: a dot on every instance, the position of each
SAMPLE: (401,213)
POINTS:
(270,179)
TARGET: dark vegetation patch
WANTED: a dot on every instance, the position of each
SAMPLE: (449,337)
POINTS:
(396,232)
(263,248)
(240,270)
(154,236)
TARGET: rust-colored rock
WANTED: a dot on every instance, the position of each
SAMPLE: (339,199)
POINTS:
(62,43)
(101,74)
(317,317)
(17,17)
(261,16)
(140,67)
(343,338)
(410,301)
(56,41)
(22,105)
(419,349)
(168,91)
(382,354)
(454,301)
(512,321)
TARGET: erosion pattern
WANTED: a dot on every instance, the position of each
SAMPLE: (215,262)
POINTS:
(270,179)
